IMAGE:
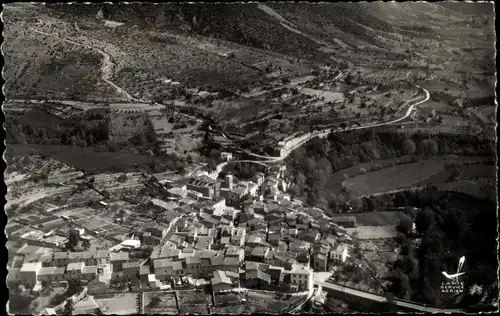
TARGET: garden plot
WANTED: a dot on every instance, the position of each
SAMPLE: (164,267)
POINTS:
(268,302)
(160,303)
(193,302)
(380,253)
(119,304)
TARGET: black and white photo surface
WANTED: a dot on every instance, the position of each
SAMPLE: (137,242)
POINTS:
(249,158)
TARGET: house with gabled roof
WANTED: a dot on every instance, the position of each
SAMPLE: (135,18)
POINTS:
(257,279)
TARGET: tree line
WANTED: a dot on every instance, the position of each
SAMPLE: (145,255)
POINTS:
(449,226)
(313,164)
(91,130)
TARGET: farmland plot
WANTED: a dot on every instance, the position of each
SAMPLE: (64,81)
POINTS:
(84,158)
(477,171)
(258,302)
(159,303)
(394,178)
(378,218)
(373,232)
(328,95)
(468,187)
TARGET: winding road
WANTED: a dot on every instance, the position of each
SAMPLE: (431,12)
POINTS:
(287,151)
(107,66)
(107,73)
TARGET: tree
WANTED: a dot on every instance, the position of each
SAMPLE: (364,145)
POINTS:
(357,204)
(433,147)
(68,307)
(295,190)
(308,165)
(317,179)
(370,205)
(405,225)
(424,220)
(73,140)
(86,244)
(400,200)
(423,147)
(72,240)
(325,166)
(332,199)
(122,178)
(409,147)
(400,285)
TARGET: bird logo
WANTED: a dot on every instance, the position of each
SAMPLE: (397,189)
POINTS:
(456,275)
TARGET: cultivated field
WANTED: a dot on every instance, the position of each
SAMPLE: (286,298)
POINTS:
(334,182)
(119,304)
(160,303)
(470,172)
(260,302)
(373,232)
(380,253)
(378,218)
(393,178)
(328,96)
(83,158)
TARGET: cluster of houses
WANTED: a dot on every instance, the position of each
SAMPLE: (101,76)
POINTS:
(57,267)
(264,244)
(254,242)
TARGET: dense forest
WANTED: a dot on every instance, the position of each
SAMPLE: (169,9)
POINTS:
(448,226)
(91,129)
(312,164)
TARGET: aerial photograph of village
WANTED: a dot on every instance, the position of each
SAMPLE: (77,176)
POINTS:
(250,158)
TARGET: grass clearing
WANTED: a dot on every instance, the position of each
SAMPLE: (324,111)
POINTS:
(373,232)
(378,218)
(477,171)
(266,302)
(120,304)
(192,297)
(335,181)
(394,178)
(468,187)
(83,158)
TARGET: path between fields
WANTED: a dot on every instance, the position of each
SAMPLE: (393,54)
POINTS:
(106,67)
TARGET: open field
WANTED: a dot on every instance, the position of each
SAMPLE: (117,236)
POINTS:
(193,297)
(327,95)
(160,303)
(470,188)
(396,177)
(373,232)
(477,171)
(238,309)
(264,302)
(378,218)
(119,304)
(83,158)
